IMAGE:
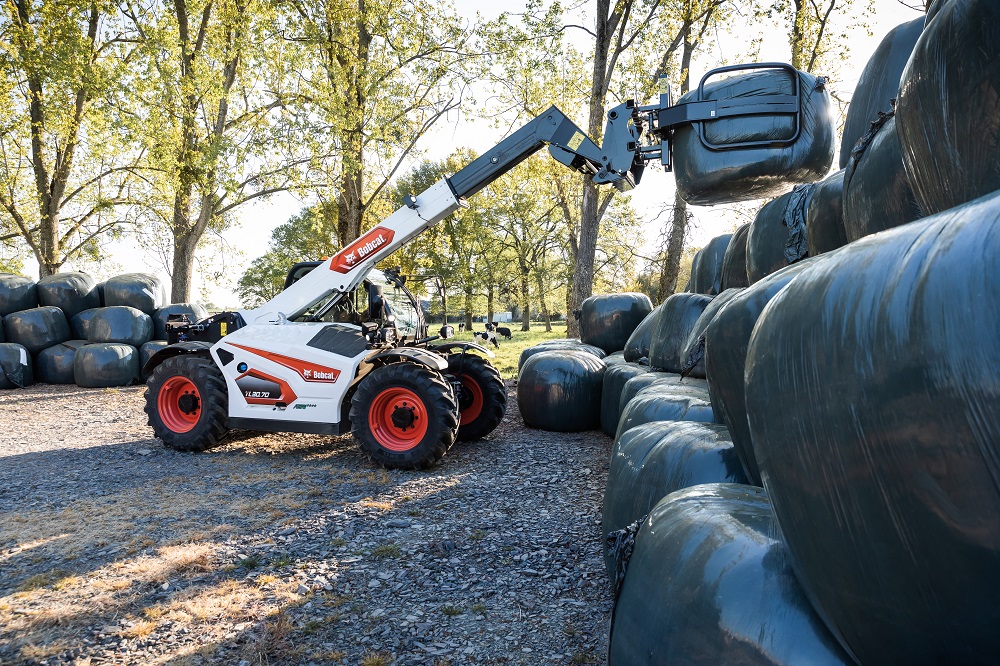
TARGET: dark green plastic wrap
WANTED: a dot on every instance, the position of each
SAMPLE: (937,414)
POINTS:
(194,312)
(559,345)
(705,177)
(79,324)
(726,342)
(146,352)
(607,320)
(677,317)
(877,195)
(653,460)
(948,116)
(664,403)
(615,378)
(777,235)
(874,405)
(879,84)
(709,582)
(560,391)
(106,364)
(70,292)
(15,366)
(734,264)
(118,323)
(694,349)
(16,293)
(55,364)
(825,215)
(37,328)
(638,343)
(697,387)
(706,267)
(141,291)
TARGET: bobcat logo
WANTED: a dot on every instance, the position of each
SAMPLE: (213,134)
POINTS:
(349,258)
(307,374)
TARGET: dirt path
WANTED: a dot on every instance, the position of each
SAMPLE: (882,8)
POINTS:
(290,548)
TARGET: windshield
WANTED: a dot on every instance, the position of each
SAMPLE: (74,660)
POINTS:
(398,302)
(353,308)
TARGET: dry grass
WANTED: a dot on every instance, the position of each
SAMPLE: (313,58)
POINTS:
(139,629)
(376,659)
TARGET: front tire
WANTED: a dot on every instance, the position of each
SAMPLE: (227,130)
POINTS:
(404,416)
(484,396)
(187,403)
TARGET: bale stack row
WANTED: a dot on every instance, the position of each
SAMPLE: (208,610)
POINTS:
(68,329)
(837,502)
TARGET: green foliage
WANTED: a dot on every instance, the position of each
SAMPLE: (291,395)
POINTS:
(307,236)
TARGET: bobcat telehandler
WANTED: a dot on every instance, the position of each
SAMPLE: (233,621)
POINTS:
(345,348)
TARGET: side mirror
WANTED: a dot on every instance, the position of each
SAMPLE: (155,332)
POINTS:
(447,331)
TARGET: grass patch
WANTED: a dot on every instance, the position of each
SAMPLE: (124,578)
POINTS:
(451,611)
(376,659)
(583,658)
(387,550)
(338,542)
(478,609)
(40,580)
(510,350)
(477,535)
(283,560)
(249,563)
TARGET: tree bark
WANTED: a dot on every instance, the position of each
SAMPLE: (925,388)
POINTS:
(351,205)
(525,301)
(468,309)
(490,293)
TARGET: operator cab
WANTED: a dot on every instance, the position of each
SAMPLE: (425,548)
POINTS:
(382,298)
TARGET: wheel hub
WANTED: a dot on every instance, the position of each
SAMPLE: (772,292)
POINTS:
(403,417)
(188,403)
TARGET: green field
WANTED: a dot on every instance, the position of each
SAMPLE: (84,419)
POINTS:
(510,350)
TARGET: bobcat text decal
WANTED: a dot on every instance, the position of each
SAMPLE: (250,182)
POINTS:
(308,371)
(372,241)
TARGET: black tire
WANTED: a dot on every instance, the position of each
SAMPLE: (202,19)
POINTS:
(485,391)
(170,410)
(380,404)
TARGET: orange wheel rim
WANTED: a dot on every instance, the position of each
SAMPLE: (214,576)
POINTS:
(474,405)
(179,404)
(398,419)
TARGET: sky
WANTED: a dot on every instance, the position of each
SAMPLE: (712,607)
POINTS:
(249,238)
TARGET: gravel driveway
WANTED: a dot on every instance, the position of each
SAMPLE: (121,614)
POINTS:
(291,548)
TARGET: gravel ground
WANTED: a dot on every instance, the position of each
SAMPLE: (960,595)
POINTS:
(291,548)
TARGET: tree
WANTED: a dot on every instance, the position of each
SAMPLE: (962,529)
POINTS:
(387,71)
(208,105)
(63,165)
(307,236)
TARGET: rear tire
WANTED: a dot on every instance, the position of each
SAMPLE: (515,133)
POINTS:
(187,403)
(404,416)
(484,399)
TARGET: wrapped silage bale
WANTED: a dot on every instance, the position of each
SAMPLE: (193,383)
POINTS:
(878,84)
(560,391)
(615,378)
(655,459)
(678,315)
(15,366)
(694,349)
(726,341)
(825,215)
(710,582)
(79,324)
(691,385)
(706,267)
(777,236)
(705,176)
(615,359)
(146,352)
(560,345)
(194,312)
(664,403)
(70,292)
(105,364)
(16,293)
(141,291)
(607,320)
(734,264)
(637,346)
(872,394)
(37,328)
(55,364)
(877,194)
(119,323)
(947,117)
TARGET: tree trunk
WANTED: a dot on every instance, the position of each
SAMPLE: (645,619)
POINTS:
(468,309)
(350,208)
(489,301)
(675,248)
(797,38)
(182,269)
(351,205)
(543,301)
(525,302)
